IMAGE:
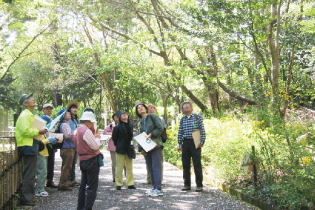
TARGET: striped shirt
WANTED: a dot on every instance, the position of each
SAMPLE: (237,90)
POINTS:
(187,125)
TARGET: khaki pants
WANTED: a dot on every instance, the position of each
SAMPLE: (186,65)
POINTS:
(67,156)
(121,161)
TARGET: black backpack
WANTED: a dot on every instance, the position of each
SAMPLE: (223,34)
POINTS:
(164,134)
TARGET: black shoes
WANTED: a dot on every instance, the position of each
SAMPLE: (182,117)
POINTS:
(114,180)
(51,185)
(198,189)
(27,203)
(118,188)
(186,188)
(131,187)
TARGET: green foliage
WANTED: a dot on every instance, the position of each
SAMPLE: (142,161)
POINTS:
(285,165)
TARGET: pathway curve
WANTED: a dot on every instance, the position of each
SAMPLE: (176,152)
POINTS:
(109,198)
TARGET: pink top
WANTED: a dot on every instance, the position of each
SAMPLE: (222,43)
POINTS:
(108,131)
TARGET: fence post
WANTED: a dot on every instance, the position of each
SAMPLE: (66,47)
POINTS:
(254,168)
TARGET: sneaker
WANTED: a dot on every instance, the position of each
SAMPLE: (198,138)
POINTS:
(160,192)
(41,194)
(149,191)
(154,193)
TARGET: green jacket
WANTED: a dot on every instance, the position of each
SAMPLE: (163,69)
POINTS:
(154,126)
(24,133)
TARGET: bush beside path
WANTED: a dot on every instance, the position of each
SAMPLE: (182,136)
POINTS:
(109,198)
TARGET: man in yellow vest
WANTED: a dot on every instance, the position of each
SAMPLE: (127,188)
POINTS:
(27,147)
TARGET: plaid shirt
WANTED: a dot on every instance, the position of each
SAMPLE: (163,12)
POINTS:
(188,125)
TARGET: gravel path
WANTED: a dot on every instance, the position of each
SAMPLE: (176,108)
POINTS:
(109,198)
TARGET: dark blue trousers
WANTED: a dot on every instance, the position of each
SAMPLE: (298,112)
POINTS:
(154,163)
(89,183)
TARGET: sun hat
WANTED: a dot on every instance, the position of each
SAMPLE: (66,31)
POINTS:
(89,116)
(71,103)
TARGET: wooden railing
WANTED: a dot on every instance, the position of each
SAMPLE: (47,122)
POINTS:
(10,172)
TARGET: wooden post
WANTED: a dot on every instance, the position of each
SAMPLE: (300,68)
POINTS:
(254,168)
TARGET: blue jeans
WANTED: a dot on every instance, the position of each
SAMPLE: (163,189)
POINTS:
(89,183)
(154,163)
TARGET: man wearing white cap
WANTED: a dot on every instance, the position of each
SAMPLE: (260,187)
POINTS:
(87,146)
(47,111)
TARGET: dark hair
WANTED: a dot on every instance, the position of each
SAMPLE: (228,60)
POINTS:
(140,103)
(74,118)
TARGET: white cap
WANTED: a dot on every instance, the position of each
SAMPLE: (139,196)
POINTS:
(47,105)
(88,116)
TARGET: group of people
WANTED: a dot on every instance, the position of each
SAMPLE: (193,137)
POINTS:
(81,141)
(37,150)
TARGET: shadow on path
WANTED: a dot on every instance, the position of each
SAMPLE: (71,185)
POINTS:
(109,198)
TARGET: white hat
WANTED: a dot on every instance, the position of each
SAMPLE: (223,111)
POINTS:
(47,105)
(88,116)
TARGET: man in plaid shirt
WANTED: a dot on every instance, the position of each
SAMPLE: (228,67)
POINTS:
(189,123)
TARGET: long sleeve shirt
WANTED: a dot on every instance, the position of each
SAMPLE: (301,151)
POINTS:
(188,124)
(89,138)
(66,130)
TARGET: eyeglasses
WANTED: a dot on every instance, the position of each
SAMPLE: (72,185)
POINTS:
(186,105)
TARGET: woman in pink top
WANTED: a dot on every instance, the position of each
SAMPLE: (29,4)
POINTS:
(111,147)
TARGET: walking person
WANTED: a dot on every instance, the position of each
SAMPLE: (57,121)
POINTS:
(73,107)
(27,147)
(122,136)
(47,111)
(151,124)
(189,123)
(67,151)
(87,146)
(110,146)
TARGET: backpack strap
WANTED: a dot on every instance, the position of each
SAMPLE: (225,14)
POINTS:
(197,118)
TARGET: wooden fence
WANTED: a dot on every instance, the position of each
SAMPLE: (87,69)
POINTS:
(10,172)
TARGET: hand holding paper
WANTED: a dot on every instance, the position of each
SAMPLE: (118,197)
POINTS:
(146,143)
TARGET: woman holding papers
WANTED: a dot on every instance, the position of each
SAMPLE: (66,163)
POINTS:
(122,136)
(152,126)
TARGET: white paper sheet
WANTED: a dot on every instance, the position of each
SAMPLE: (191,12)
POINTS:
(105,137)
(146,144)
(38,123)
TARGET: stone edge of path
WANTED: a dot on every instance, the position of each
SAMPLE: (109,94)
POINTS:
(237,193)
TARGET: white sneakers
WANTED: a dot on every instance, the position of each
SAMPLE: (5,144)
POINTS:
(155,193)
(41,194)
